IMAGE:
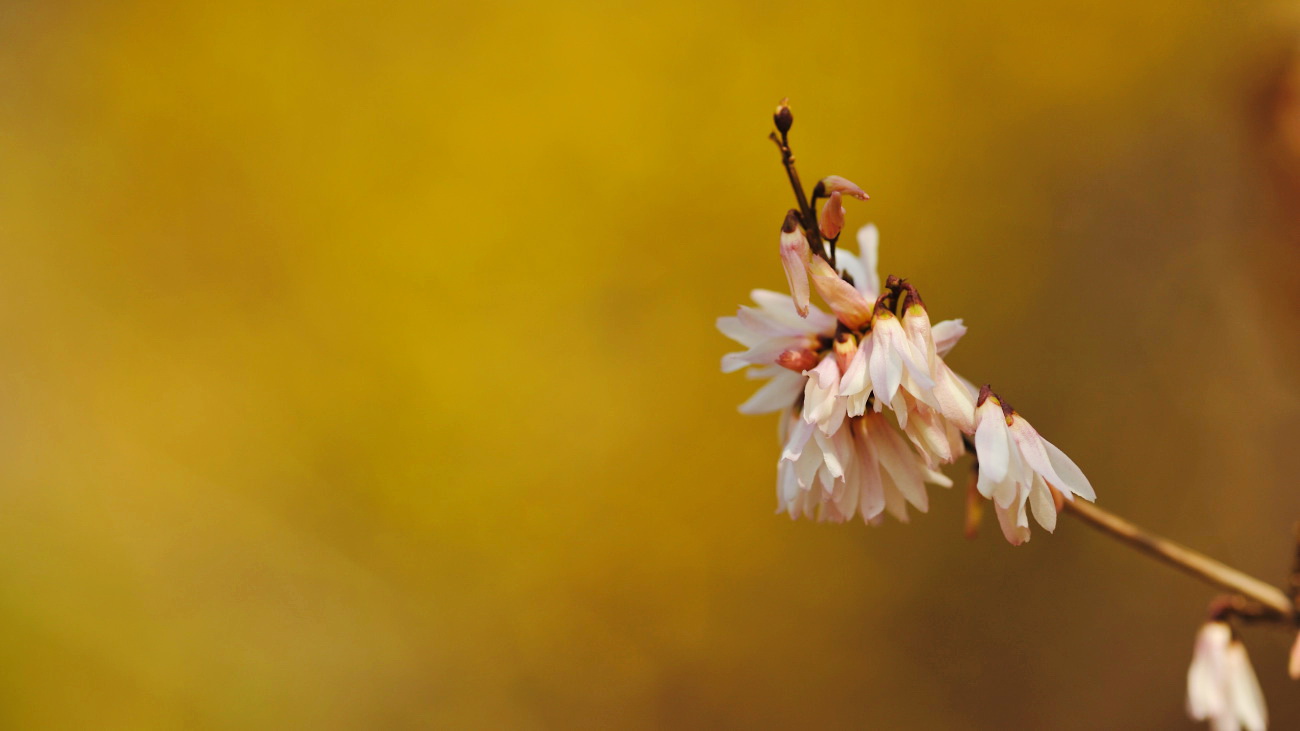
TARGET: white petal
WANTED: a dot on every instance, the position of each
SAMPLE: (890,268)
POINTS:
(872,502)
(829,455)
(732,328)
(946,334)
(1206,678)
(777,394)
(868,245)
(780,307)
(886,364)
(900,462)
(798,438)
(992,445)
(1031,449)
(1243,689)
(1040,501)
(1071,476)
(857,377)
(956,402)
(1009,521)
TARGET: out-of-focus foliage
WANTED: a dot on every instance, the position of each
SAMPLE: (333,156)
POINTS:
(357,362)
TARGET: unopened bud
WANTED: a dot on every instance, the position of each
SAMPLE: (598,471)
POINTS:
(836,184)
(846,346)
(844,299)
(797,359)
(783,117)
(831,221)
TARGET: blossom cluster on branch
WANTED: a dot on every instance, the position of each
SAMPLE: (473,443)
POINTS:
(870,409)
(870,412)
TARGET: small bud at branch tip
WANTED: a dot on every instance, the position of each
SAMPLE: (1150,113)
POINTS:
(783,117)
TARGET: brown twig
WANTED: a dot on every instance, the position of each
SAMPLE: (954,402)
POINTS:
(1270,603)
(807,213)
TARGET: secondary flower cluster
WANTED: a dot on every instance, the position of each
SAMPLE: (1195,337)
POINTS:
(1221,684)
(870,408)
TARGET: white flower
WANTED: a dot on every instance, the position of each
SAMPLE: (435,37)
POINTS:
(1016,466)
(768,331)
(1221,685)
(865,470)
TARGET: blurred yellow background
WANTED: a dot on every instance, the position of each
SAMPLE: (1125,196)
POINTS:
(358,367)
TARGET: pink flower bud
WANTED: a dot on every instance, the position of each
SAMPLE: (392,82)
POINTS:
(846,346)
(845,300)
(831,221)
(794,259)
(835,184)
(797,359)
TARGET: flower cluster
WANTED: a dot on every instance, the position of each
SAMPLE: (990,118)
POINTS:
(1221,684)
(870,409)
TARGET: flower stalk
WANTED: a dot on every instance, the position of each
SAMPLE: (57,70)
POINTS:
(1273,603)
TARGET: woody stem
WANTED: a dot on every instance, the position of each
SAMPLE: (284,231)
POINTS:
(806,211)
(1273,602)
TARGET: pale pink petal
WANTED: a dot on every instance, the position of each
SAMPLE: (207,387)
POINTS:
(777,394)
(872,502)
(795,263)
(955,400)
(1014,523)
(1071,476)
(799,436)
(780,307)
(732,328)
(857,377)
(900,462)
(992,444)
(868,254)
(1040,501)
(1243,689)
(886,364)
(946,334)
(845,301)
(1031,449)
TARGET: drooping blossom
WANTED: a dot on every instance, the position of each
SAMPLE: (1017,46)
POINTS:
(795,255)
(1221,684)
(1017,466)
(871,408)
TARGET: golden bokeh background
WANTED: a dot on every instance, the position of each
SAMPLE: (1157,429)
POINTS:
(358,367)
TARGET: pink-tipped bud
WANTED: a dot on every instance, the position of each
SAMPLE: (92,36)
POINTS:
(836,184)
(844,299)
(831,221)
(783,117)
(797,359)
(794,259)
(846,346)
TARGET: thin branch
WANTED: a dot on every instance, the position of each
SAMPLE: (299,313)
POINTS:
(807,212)
(1276,603)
